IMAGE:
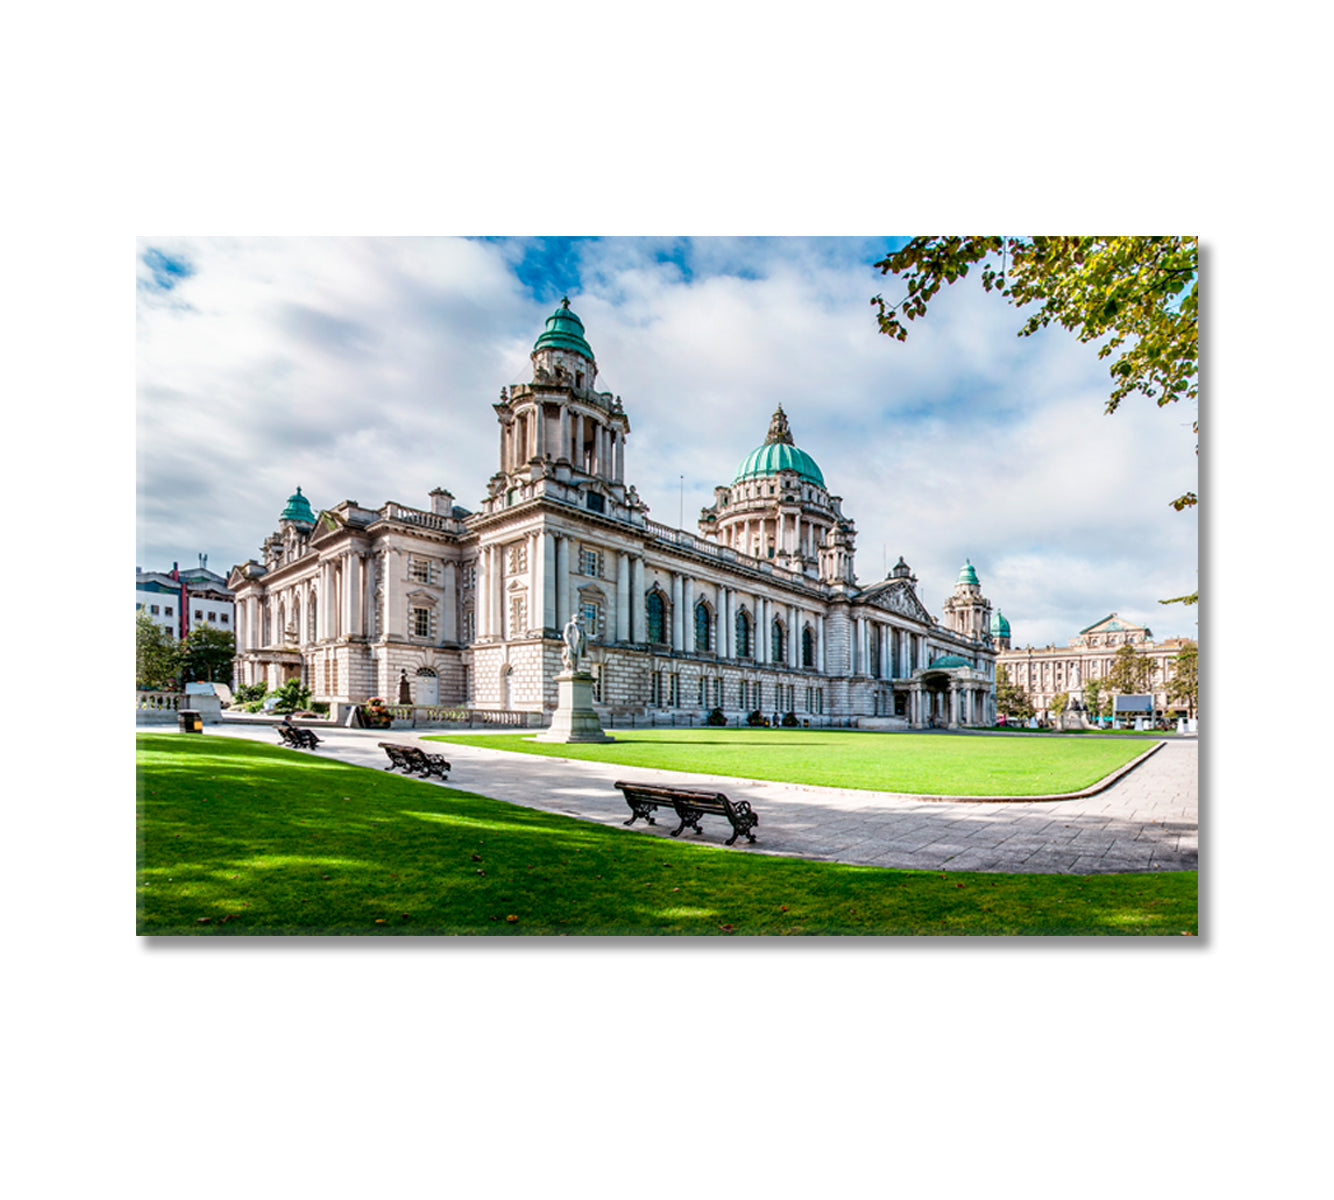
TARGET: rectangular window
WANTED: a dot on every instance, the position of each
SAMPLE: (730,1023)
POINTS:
(703,690)
(469,626)
(222,620)
(655,689)
(596,671)
(518,558)
(518,616)
(419,569)
(717,693)
(674,690)
(153,609)
(199,615)
(590,562)
(421,622)
(592,615)
(168,611)
(213,616)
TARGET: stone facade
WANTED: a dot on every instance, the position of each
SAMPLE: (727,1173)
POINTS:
(1044,672)
(758,611)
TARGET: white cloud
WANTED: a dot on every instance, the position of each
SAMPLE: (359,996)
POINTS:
(366,368)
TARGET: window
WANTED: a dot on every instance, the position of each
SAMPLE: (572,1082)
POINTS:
(199,614)
(213,616)
(153,609)
(596,671)
(741,690)
(656,611)
(757,701)
(590,562)
(594,502)
(419,569)
(743,649)
(807,647)
(469,626)
(138,608)
(591,612)
(421,622)
(674,690)
(168,611)
(518,615)
(717,693)
(470,575)
(703,691)
(655,689)
(703,627)
(776,641)
(518,558)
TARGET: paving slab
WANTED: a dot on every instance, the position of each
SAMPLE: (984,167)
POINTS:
(1146,820)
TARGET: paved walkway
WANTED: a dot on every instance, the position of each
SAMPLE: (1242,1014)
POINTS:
(1145,821)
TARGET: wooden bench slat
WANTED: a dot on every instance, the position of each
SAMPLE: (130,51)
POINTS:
(689,804)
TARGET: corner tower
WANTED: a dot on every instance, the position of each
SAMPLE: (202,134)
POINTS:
(967,611)
(559,435)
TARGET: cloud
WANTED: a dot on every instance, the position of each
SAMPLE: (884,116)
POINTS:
(365,369)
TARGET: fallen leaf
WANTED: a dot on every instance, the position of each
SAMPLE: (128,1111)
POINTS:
(782,908)
(205,920)
(379,920)
(511,918)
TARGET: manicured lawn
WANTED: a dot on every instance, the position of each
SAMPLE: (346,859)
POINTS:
(238,837)
(922,764)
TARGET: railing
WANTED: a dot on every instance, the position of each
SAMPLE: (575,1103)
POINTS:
(433,714)
(689,541)
(394,511)
(158,701)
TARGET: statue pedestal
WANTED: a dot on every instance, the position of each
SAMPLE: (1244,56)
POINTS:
(574,719)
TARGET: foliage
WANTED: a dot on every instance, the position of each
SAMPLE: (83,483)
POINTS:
(1059,703)
(249,692)
(157,655)
(240,838)
(1185,684)
(1094,701)
(290,696)
(757,719)
(716,717)
(1011,699)
(1138,297)
(207,654)
(1130,672)
(915,763)
(790,720)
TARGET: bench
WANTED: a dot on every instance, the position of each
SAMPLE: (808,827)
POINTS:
(297,738)
(412,760)
(689,805)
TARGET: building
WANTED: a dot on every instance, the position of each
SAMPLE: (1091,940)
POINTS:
(759,610)
(180,601)
(1046,671)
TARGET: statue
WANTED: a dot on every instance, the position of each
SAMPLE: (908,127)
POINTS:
(576,644)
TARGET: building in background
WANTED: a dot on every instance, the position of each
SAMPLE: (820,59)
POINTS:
(1044,672)
(759,610)
(180,601)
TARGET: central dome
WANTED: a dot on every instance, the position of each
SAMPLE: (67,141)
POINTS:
(779,453)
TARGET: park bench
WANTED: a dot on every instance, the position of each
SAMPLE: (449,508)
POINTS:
(412,760)
(689,805)
(297,738)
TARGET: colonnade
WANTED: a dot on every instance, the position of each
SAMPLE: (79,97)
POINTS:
(587,441)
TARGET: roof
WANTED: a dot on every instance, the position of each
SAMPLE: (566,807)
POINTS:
(564,331)
(1000,627)
(945,661)
(298,509)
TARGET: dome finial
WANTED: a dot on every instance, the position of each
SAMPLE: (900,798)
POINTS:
(779,430)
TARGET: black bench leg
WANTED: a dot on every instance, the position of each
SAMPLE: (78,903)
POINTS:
(639,808)
(689,816)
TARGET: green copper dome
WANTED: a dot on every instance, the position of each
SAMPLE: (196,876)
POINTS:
(564,331)
(950,660)
(779,453)
(1000,627)
(967,574)
(298,509)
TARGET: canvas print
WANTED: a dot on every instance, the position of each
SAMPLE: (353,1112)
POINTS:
(729,587)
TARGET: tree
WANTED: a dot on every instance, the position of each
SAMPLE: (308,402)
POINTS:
(1010,698)
(1136,296)
(1130,672)
(1185,682)
(1058,704)
(157,657)
(1093,698)
(207,654)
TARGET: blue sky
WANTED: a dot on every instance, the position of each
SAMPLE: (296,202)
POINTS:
(364,369)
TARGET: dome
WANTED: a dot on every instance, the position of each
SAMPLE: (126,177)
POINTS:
(298,509)
(946,661)
(779,453)
(564,331)
(1000,627)
(967,574)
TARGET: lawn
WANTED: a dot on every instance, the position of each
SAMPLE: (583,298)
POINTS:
(238,837)
(917,763)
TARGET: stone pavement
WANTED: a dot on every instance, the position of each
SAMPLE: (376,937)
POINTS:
(1146,821)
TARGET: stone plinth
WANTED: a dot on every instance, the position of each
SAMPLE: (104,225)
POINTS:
(574,719)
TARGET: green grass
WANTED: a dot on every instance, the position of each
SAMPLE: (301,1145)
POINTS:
(916,763)
(238,837)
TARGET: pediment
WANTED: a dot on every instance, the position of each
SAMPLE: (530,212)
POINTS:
(898,596)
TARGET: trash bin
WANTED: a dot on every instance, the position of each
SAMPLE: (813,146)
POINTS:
(190,721)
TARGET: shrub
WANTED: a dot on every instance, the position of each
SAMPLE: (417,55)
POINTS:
(757,718)
(291,696)
(716,717)
(790,720)
(248,692)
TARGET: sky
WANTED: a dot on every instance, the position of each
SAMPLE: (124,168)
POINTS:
(364,369)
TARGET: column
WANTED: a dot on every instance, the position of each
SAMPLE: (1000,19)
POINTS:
(449,619)
(819,642)
(620,457)
(953,718)
(564,432)
(726,623)
(482,602)
(540,429)
(395,622)
(688,612)
(623,598)
(562,573)
(793,638)
(496,593)
(678,639)
(546,594)
(886,646)
(638,633)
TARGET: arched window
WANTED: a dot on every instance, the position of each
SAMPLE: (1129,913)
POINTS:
(310,617)
(656,611)
(807,647)
(743,649)
(703,627)
(776,642)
